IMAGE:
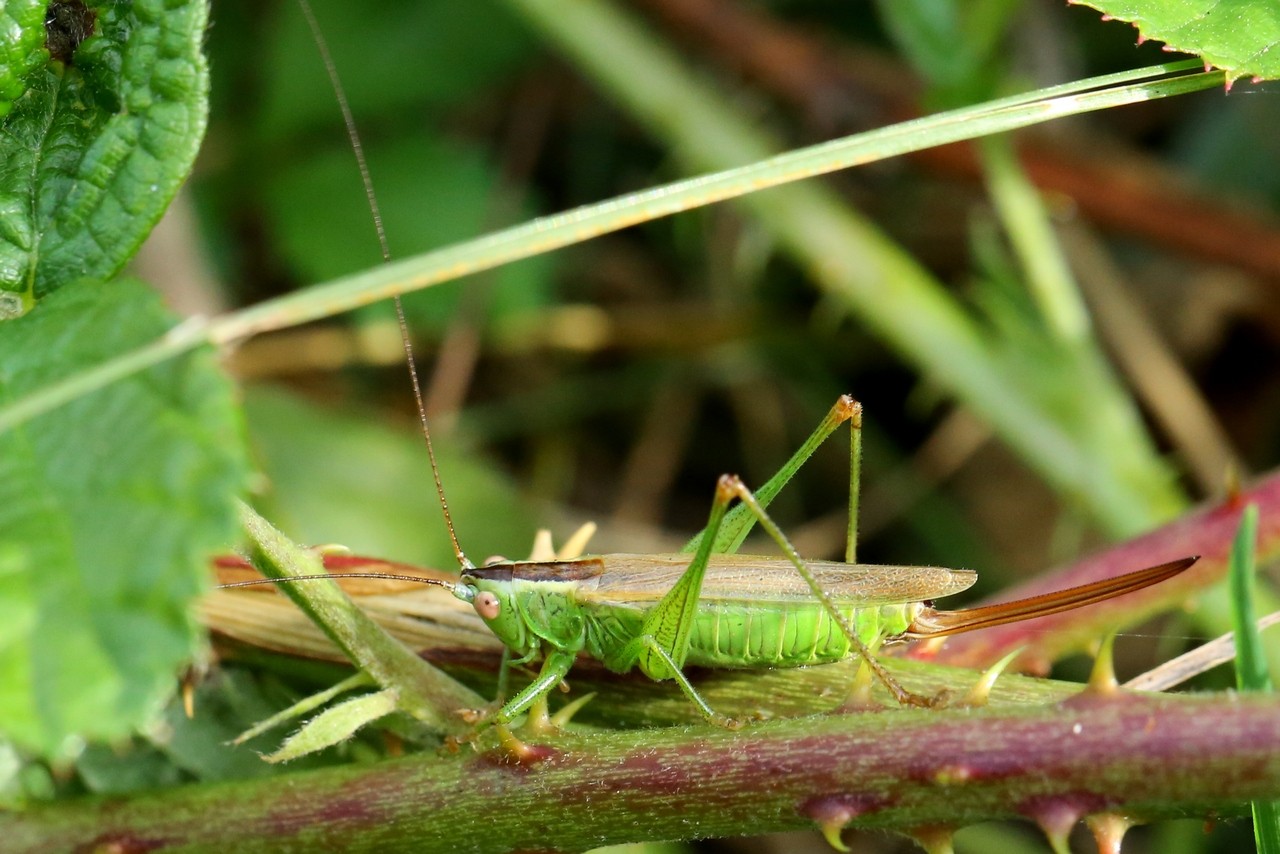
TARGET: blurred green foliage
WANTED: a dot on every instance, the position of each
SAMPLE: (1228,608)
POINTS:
(620,377)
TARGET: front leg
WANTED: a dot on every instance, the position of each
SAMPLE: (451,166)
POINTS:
(555,666)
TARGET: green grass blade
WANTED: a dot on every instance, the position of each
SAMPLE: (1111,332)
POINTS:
(1251,662)
(1060,408)
(1252,674)
(552,232)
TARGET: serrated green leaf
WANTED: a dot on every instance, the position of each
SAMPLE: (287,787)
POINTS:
(93,151)
(1242,37)
(109,509)
(21,40)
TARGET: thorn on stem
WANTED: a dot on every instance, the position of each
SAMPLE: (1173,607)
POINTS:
(980,693)
(520,753)
(1057,815)
(860,698)
(1102,680)
(934,838)
(561,718)
(832,813)
(1108,830)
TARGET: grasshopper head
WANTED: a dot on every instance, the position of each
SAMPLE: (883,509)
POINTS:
(492,595)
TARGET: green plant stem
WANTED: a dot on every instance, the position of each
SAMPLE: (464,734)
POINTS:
(637,702)
(1148,756)
(1252,674)
(1251,661)
(1026,221)
(421,690)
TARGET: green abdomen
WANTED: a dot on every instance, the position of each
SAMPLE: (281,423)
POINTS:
(770,635)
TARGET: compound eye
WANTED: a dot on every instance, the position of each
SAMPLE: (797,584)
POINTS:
(487,605)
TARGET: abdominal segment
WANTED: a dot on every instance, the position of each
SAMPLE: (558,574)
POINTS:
(788,635)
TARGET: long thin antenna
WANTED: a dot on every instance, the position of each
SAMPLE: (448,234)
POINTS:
(353,135)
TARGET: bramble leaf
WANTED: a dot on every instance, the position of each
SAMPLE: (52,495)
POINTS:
(22,23)
(109,509)
(1242,37)
(96,147)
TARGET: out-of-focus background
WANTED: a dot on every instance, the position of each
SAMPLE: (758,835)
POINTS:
(615,380)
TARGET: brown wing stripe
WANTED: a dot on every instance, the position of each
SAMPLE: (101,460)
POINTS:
(931,624)
(556,570)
